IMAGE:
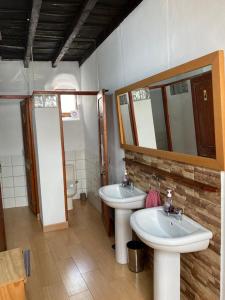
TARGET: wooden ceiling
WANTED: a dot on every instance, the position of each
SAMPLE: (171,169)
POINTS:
(55,30)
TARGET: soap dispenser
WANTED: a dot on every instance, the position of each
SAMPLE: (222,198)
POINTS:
(168,204)
(125,181)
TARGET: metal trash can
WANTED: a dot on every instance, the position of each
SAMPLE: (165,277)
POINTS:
(135,256)
(83,196)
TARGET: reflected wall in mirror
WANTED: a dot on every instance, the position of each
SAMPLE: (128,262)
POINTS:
(177,111)
(177,114)
(149,118)
(126,115)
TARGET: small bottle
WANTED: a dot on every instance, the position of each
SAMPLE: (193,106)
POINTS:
(125,178)
(168,204)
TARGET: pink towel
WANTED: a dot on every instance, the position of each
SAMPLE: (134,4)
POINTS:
(152,199)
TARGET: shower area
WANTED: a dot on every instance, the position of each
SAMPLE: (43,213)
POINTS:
(73,147)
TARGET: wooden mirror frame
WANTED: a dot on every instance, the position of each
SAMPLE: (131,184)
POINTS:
(216,60)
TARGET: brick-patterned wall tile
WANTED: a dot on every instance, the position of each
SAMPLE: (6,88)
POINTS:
(200,271)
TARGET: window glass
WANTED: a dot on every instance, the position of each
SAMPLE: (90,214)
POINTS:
(69,107)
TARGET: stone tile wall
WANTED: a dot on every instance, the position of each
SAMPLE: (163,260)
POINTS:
(200,271)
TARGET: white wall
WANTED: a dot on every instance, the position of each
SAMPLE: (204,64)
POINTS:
(128,133)
(50,168)
(75,154)
(182,125)
(10,128)
(130,53)
(12,177)
(159,119)
(73,135)
(145,124)
(15,79)
(157,35)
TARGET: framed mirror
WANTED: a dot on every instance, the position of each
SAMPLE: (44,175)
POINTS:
(177,114)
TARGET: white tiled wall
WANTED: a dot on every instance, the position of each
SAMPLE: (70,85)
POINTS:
(93,178)
(77,159)
(13,181)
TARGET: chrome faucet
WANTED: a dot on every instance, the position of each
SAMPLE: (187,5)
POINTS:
(126,181)
(174,211)
(169,209)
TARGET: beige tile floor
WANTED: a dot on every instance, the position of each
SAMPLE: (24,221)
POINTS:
(74,264)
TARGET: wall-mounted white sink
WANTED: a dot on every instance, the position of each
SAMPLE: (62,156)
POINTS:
(117,196)
(123,199)
(169,237)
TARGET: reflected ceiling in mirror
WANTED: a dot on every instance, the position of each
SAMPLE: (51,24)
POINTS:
(176,114)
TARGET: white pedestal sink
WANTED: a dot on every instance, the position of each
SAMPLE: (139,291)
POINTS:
(123,199)
(169,237)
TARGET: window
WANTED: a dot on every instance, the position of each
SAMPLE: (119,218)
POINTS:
(69,106)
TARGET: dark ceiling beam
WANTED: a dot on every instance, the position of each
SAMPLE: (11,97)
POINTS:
(112,26)
(12,11)
(55,14)
(14,37)
(92,26)
(35,12)
(62,4)
(48,37)
(85,11)
(15,21)
(49,32)
(61,14)
(84,40)
(11,47)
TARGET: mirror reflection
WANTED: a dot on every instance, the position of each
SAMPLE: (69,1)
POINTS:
(175,114)
(126,116)
(149,118)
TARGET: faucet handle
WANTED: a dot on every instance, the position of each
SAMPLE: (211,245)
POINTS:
(131,185)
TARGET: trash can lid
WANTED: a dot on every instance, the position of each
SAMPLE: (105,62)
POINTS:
(135,245)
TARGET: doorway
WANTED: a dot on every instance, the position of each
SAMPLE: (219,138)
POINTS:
(202,97)
(15,184)
(73,150)
(26,157)
(77,165)
(29,155)
(107,212)
(13,152)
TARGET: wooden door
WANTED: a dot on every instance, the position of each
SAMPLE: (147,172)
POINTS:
(202,97)
(63,156)
(103,155)
(2,226)
(29,155)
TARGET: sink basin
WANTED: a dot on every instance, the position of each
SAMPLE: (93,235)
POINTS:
(117,196)
(169,237)
(123,199)
(163,232)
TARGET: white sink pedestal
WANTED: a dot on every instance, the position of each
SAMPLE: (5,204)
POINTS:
(169,237)
(166,275)
(123,233)
(123,200)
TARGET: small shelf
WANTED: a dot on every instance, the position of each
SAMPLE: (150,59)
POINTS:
(175,177)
